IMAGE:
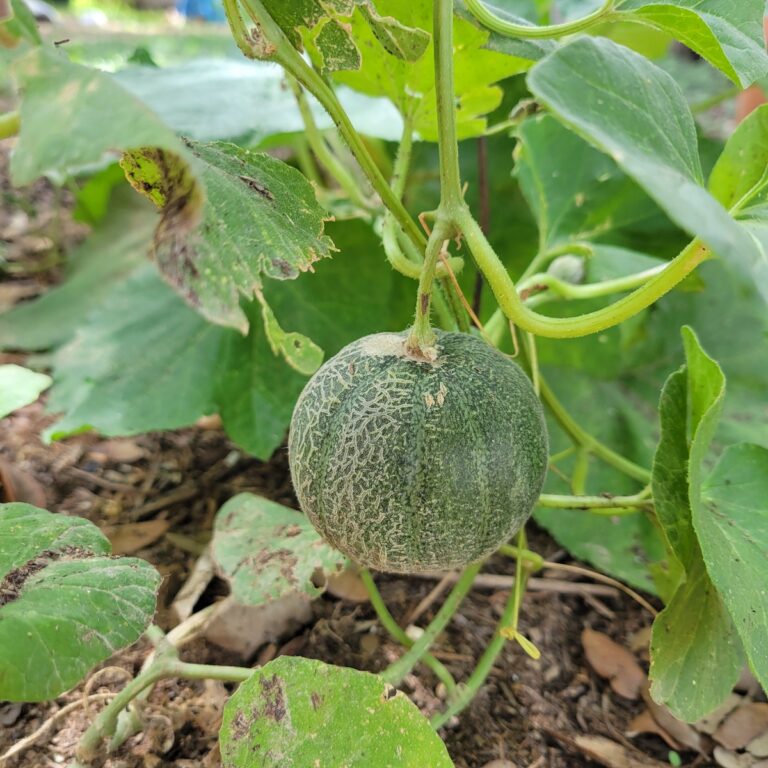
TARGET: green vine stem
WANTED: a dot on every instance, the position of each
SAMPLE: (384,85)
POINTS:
(509,29)
(607,504)
(10,123)
(322,151)
(283,52)
(165,663)
(580,436)
(395,673)
(483,668)
(572,327)
(399,634)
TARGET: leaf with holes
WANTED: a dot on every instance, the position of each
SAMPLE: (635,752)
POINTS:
(296,711)
(267,551)
(65,604)
(260,219)
(324,27)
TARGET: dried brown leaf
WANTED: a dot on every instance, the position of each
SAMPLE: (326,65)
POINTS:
(613,662)
(347,585)
(711,722)
(645,723)
(612,754)
(16,485)
(759,746)
(744,724)
(120,450)
(131,537)
(679,730)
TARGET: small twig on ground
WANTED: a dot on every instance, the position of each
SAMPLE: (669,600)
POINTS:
(30,740)
(433,595)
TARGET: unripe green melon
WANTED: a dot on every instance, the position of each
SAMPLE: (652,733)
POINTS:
(408,465)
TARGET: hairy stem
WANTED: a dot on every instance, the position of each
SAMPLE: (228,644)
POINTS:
(322,151)
(403,666)
(609,504)
(509,29)
(399,634)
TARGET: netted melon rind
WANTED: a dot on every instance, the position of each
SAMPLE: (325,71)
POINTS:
(411,466)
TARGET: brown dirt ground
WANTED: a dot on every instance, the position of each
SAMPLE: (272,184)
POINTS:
(527,712)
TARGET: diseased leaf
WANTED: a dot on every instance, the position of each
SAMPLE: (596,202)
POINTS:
(260,219)
(65,605)
(696,656)
(299,351)
(296,711)
(267,551)
(731,522)
(326,23)
(727,33)
(635,112)
(19,387)
(410,85)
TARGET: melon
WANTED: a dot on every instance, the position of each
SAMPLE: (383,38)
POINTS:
(411,463)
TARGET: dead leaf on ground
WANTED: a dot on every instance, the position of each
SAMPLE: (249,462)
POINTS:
(711,722)
(131,537)
(119,450)
(347,585)
(613,662)
(759,746)
(743,725)
(612,754)
(645,723)
(679,730)
(500,764)
(16,485)
(728,759)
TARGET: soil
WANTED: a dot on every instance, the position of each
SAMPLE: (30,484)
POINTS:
(528,713)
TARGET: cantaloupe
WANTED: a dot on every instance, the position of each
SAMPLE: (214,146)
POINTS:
(407,464)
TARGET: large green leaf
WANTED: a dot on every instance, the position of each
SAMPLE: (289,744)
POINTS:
(19,387)
(303,712)
(266,551)
(576,192)
(731,521)
(142,362)
(411,85)
(65,604)
(112,251)
(245,101)
(260,219)
(727,33)
(637,114)
(696,656)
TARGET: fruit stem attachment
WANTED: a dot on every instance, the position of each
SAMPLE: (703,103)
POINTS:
(399,634)
(395,673)
(508,28)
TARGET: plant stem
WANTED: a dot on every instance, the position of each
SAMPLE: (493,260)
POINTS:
(399,634)
(583,325)
(402,667)
(10,123)
(606,503)
(323,152)
(483,668)
(448,143)
(536,560)
(579,435)
(509,29)
(292,61)
(422,337)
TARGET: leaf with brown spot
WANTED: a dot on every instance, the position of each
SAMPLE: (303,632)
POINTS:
(613,662)
(65,603)
(257,218)
(267,551)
